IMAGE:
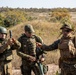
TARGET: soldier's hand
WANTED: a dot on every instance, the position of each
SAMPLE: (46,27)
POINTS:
(9,42)
(13,40)
(32,59)
(42,59)
(38,44)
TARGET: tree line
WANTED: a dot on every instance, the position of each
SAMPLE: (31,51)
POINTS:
(12,16)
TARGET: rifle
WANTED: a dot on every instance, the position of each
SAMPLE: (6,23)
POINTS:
(10,33)
(39,52)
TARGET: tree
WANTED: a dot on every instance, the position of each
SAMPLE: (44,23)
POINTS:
(61,15)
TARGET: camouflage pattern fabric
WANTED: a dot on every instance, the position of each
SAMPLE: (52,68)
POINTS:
(26,69)
(8,68)
(68,69)
(6,57)
(67,47)
(2,68)
(68,56)
(28,48)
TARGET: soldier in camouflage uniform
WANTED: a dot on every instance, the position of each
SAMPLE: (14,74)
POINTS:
(67,47)
(6,47)
(28,51)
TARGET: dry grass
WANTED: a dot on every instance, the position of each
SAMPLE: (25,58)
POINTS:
(48,31)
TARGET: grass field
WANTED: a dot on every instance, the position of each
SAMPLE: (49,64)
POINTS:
(49,32)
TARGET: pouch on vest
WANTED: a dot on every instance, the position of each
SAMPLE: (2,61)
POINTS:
(45,69)
(8,54)
(72,48)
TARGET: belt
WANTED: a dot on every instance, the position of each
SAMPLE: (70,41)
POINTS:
(70,63)
(70,60)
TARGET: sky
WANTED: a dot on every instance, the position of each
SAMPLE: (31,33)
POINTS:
(38,3)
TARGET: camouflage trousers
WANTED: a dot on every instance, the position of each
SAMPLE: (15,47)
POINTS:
(27,69)
(2,68)
(68,69)
(5,68)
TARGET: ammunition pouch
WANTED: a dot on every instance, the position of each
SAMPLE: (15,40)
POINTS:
(45,69)
(70,60)
(8,55)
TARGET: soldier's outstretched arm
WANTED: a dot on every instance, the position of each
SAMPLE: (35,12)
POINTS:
(51,47)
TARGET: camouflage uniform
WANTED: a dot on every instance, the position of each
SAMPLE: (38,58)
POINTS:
(6,56)
(27,50)
(67,46)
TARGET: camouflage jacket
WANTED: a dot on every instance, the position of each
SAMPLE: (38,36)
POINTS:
(6,50)
(67,47)
(28,46)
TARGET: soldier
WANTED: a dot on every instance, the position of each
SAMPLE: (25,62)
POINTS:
(28,50)
(67,46)
(6,47)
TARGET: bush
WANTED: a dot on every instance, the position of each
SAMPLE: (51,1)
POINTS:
(61,15)
(13,17)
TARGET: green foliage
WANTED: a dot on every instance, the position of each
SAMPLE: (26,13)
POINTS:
(1,20)
(11,17)
(30,18)
(61,15)
(57,73)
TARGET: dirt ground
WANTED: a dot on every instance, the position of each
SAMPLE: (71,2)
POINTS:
(52,69)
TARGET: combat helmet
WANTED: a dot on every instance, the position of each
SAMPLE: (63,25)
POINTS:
(67,26)
(3,30)
(29,28)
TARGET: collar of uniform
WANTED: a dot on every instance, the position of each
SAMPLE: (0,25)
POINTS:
(68,37)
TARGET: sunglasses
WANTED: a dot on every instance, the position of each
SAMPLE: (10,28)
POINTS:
(67,30)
